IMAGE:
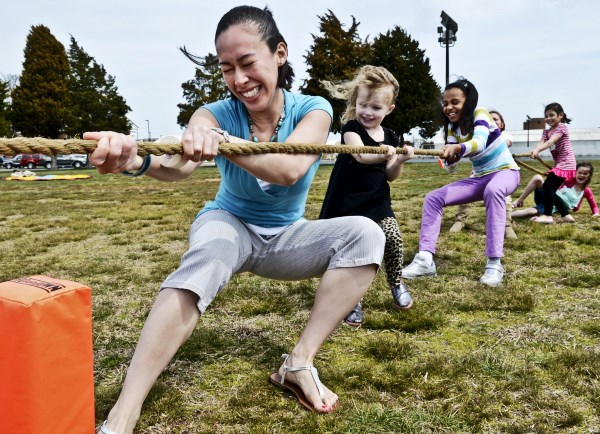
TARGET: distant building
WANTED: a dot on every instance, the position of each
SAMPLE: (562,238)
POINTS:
(534,124)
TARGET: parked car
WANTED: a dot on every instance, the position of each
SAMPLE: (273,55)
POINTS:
(6,162)
(31,161)
(71,160)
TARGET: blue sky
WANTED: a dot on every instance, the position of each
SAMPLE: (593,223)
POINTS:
(521,54)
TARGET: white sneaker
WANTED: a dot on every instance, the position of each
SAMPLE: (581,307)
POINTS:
(419,267)
(493,275)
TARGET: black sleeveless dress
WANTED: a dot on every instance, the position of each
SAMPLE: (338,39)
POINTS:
(356,188)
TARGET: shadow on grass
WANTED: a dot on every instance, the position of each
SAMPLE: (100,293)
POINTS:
(412,321)
(491,299)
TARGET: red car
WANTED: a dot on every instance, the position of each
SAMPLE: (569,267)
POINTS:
(31,161)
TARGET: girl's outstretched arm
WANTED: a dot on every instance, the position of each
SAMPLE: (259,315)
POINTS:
(589,196)
(481,132)
(555,135)
(542,146)
(393,170)
(353,139)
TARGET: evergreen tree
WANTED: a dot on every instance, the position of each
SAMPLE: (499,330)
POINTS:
(40,100)
(335,56)
(5,127)
(95,101)
(206,86)
(418,102)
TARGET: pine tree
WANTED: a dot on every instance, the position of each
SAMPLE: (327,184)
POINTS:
(40,100)
(335,56)
(5,127)
(206,86)
(95,101)
(418,102)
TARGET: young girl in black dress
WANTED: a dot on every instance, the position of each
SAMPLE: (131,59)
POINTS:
(359,184)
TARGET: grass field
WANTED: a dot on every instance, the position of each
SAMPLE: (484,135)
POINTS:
(521,358)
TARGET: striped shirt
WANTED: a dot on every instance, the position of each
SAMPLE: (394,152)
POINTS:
(486,148)
(562,151)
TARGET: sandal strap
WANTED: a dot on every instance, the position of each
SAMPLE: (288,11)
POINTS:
(311,368)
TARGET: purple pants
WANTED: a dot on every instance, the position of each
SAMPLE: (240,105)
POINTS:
(492,188)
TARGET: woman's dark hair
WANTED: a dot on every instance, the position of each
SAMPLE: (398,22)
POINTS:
(262,20)
(587,165)
(557,108)
(467,117)
(501,118)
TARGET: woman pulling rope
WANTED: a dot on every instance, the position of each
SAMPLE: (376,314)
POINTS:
(255,223)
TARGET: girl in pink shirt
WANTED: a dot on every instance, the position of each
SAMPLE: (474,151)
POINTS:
(555,138)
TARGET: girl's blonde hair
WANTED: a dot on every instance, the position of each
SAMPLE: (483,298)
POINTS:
(372,77)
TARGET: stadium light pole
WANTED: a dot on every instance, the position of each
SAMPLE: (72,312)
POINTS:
(447,38)
(528,121)
(149,135)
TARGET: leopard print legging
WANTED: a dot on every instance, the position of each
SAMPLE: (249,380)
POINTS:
(393,254)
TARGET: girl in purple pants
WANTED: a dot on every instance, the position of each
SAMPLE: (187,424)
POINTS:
(470,132)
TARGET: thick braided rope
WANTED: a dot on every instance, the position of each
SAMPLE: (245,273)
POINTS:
(529,156)
(543,162)
(38,145)
(527,166)
(533,169)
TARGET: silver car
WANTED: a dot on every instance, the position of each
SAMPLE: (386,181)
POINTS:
(6,162)
(71,160)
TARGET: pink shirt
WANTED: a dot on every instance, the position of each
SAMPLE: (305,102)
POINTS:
(562,152)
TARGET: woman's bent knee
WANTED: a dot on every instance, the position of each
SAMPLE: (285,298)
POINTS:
(370,238)
(368,229)
(361,242)
(186,300)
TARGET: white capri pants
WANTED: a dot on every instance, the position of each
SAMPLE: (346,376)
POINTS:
(221,245)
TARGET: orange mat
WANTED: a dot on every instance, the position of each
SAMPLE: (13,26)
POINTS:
(46,357)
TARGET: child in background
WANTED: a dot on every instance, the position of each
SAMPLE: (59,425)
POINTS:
(359,184)
(463,210)
(555,138)
(570,195)
(470,131)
